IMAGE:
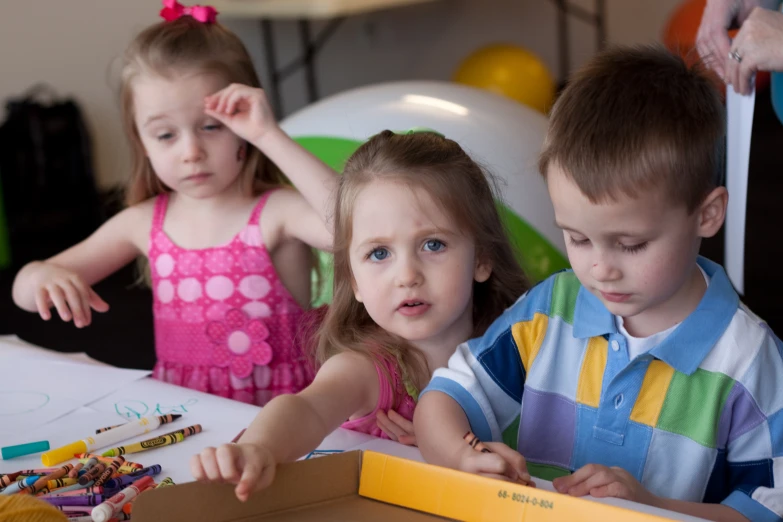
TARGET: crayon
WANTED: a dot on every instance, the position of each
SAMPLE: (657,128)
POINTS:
(17,486)
(115,504)
(109,471)
(107,438)
(164,419)
(10,452)
(165,483)
(124,480)
(8,478)
(93,474)
(42,482)
(107,428)
(60,483)
(475,443)
(87,490)
(74,473)
(75,500)
(166,439)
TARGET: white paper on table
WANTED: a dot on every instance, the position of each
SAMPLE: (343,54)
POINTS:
(34,392)
(75,426)
(21,349)
(739,123)
(221,420)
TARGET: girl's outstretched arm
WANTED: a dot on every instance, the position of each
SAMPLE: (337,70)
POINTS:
(290,426)
(246,111)
(65,280)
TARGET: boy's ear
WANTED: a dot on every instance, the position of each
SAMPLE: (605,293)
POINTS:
(483,269)
(712,212)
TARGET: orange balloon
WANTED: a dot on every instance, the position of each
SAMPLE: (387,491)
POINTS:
(679,36)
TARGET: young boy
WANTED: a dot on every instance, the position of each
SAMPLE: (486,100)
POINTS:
(639,374)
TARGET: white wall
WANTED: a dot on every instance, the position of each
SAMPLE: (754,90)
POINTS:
(71,44)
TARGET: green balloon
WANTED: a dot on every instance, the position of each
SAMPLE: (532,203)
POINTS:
(537,256)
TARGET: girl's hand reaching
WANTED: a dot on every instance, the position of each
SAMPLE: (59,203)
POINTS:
(250,466)
(68,293)
(243,109)
(397,427)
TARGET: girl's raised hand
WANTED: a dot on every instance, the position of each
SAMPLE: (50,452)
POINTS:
(243,109)
(68,293)
(250,466)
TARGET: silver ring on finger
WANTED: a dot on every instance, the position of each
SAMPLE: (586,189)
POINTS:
(735,55)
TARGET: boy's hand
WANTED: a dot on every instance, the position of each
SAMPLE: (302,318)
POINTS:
(601,481)
(397,427)
(250,466)
(243,109)
(68,293)
(503,463)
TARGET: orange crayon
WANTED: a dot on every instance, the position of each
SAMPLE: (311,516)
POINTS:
(475,443)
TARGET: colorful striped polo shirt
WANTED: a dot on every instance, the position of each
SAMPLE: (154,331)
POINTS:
(699,417)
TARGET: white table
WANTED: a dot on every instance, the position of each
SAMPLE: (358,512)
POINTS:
(220,418)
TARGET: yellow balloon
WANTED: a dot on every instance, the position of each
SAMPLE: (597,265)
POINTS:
(511,71)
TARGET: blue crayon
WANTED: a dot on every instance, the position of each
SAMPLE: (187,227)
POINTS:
(19,484)
(124,480)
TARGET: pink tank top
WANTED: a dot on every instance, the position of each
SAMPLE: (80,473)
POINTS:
(224,323)
(392,395)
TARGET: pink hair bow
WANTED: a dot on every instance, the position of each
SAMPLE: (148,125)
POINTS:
(173,10)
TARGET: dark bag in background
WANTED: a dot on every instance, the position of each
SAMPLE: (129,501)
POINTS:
(50,198)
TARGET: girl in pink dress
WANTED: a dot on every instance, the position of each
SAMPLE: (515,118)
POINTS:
(421,264)
(228,245)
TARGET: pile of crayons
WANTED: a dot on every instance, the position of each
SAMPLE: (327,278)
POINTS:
(97,488)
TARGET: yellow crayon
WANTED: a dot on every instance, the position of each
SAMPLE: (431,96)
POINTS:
(164,440)
(61,483)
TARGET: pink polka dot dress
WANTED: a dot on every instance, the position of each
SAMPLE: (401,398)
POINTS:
(224,323)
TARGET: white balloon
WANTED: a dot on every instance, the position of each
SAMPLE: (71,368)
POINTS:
(502,135)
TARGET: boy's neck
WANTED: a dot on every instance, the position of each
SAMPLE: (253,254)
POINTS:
(670,312)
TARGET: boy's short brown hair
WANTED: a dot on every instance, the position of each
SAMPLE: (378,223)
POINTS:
(636,119)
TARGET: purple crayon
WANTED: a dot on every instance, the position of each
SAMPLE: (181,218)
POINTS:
(123,480)
(75,500)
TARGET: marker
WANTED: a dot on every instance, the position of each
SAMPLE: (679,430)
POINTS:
(10,452)
(475,443)
(107,438)
(164,440)
(114,505)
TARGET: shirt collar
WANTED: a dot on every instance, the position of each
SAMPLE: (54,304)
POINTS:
(689,343)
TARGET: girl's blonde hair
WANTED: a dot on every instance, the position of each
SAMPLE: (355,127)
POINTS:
(460,187)
(170,48)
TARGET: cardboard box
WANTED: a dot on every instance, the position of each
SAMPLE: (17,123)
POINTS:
(369,486)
